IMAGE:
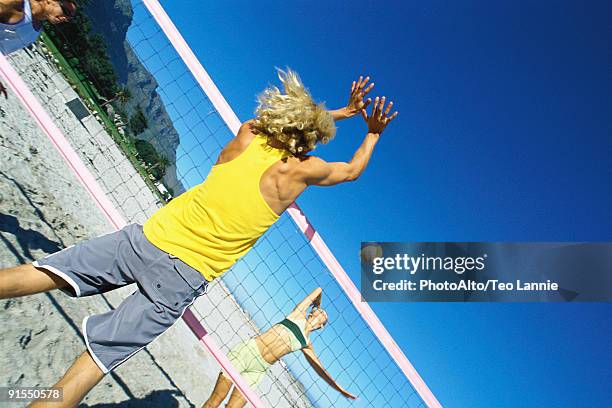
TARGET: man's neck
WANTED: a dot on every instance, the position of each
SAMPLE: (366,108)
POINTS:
(275,143)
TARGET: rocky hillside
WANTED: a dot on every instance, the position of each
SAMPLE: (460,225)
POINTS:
(112,19)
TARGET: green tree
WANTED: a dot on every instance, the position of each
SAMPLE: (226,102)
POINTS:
(146,151)
(158,169)
(138,122)
(123,95)
(156,163)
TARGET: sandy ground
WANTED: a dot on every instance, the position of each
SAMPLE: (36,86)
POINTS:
(43,208)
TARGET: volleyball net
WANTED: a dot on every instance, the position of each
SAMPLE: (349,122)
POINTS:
(140,121)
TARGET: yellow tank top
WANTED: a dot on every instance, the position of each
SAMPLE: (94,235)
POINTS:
(215,223)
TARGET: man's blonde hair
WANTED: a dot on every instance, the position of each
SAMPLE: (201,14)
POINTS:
(292,117)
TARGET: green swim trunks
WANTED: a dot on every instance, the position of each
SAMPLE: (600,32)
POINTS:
(247,360)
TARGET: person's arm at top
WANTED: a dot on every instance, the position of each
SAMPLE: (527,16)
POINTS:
(314,362)
(356,103)
(321,173)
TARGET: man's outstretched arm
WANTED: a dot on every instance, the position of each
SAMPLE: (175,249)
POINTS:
(321,173)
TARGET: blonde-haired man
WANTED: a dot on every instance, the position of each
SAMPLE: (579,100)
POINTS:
(200,234)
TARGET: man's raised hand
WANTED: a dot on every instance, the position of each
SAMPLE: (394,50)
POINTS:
(358,91)
(379,119)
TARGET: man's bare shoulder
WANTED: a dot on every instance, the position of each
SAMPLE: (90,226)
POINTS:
(309,167)
(243,138)
(307,161)
(238,144)
(248,125)
(246,131)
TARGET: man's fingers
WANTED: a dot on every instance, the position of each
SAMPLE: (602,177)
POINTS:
(359,81)
(365,81)
(367,103)
(389,106)
(375,108)
(368,89)
(364,114)
(381,107)
(393,116)
(353,87)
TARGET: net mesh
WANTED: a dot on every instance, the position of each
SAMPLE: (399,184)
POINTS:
(147,131)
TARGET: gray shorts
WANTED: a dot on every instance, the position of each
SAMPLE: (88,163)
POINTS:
(166,287)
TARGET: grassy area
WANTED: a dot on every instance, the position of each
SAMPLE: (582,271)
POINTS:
(91,98)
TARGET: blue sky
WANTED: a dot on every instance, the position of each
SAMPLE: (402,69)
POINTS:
(503,135)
